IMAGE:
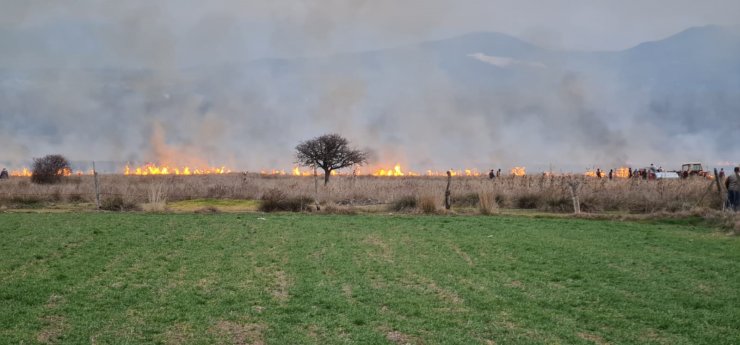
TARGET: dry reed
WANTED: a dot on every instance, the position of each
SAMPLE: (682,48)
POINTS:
(536,192)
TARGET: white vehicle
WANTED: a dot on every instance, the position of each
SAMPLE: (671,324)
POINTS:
(666,175)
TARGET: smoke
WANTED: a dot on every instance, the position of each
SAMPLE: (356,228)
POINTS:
(193,84)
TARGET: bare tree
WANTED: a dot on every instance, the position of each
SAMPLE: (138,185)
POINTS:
(49,169)
(329,152)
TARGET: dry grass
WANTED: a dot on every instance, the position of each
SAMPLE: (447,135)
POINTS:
(487,201)
(428,204)
(157,198)
(532,192)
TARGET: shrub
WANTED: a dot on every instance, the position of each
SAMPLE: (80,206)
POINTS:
(157,199)
(465,200)
(26,202)
(403,203)
(275,200)
(75,198)
(117,203)
(487,202)
(218,192)
(427,204)
(557,203)
(528,201)
(49,169)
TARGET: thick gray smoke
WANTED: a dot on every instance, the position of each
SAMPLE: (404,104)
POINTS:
(240,83)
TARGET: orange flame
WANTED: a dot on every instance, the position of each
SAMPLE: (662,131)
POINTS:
(21,173)
(519,171)
(622,172)
(297,172)
(153,169)
(25,172)
(592,173)
(396,171)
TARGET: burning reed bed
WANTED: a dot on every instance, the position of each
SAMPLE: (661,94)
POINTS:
(544,193)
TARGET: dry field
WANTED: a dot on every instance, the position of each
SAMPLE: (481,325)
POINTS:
(551,194)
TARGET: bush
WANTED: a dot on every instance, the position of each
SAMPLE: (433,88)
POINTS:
(465,200)
(403,203)
(487,202)
(25,202)
(117,203)
(75,198)
(528,201)
(427,204)
(49,169)
(275,200)
(559,204)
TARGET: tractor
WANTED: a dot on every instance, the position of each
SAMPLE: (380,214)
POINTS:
(694,169)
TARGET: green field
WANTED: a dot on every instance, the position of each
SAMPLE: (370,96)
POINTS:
(81,278)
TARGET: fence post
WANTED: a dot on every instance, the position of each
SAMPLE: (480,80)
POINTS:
(719,190)
(316,188)
(97,187)
(574,185)
(448,201)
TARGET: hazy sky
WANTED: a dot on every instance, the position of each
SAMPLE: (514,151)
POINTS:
(112,80)
(192,32)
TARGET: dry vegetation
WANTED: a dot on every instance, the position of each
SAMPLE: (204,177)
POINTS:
(425,194)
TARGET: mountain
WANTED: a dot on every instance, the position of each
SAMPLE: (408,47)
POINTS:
(706,57)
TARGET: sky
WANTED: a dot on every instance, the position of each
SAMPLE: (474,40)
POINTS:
(193,32)
(249,120)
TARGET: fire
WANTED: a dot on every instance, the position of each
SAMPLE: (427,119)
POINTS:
(396,171)
(274,172)
(591,173)
(21,173)
(519,171)
(25,172)
(297,172)
(622,172)
(153,169)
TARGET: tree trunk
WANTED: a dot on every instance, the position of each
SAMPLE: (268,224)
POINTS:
(327,174)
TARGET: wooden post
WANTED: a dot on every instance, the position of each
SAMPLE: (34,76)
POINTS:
(719,190)
(574,184)
(97,187)
(316,188)
(448,201)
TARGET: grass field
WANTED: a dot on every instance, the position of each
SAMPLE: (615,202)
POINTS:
(134,278)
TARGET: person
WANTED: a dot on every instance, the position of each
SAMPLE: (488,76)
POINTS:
(598,172)
(4,174)
(721,174)
(733,189)
(491,174)
(498,173)
(629,172)
(611,173)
